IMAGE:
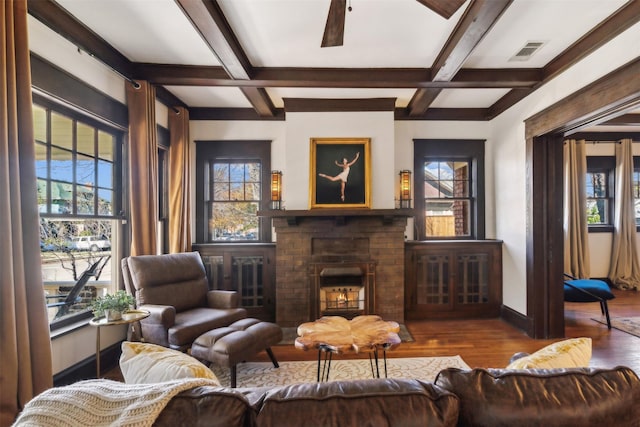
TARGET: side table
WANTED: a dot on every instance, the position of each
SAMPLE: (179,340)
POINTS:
(129,317)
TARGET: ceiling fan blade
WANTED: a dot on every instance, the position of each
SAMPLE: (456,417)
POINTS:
(334,29)
(444,8)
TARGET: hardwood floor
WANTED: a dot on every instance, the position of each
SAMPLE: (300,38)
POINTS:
(490,343)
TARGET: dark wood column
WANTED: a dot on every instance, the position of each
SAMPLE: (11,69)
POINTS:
(545,243)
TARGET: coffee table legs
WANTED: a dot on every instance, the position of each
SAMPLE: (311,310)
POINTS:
(326,365)
(328,356)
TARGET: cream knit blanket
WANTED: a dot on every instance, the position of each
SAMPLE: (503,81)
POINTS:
(104,403)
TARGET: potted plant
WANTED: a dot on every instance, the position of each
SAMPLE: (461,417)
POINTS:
(112,305)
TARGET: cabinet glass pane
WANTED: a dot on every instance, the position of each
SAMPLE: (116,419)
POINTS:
(214,266)
(247,279)
(473,278)
(432,279)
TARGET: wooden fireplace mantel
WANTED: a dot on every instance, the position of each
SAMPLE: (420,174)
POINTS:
(340,216)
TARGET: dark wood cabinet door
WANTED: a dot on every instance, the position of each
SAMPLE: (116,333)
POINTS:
(457,279)
(248,269)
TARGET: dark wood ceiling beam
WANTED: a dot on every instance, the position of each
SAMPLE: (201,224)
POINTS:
(209,21)
(260,100)
(510,99)
(444,8)
(621,20)
(207,18)
(478,19)
(458,114)
(421,100)
(188,75)
(204,113)
(341,105)
(613,94)
(475,23)
(59,20)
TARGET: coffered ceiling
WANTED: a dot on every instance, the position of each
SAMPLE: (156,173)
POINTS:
(260,58)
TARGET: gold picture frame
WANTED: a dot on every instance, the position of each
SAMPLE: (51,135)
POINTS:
(340,173)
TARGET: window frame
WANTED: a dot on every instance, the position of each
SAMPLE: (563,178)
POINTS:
(118,135)
(207,152)
(471,150)
(606,164)
(118,195)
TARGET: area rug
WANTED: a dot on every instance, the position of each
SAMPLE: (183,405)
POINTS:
(258,374)
(630,325)
(289,335)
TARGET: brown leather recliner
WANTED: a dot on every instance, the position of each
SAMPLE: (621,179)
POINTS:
(175,289)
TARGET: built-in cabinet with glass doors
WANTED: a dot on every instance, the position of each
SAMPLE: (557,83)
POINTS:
(453,279)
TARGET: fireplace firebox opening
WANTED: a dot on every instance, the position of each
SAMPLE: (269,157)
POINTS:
(343,289)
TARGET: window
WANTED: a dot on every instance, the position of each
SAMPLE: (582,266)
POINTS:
(600,190)
(447,198)
(449,188)
(232,186)
(78,168)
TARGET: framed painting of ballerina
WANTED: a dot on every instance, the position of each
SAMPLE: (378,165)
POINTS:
(340,173)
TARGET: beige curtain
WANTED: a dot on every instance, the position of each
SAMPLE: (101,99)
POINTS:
(624,271)
(179,181)
(143,167)
(576,237)
(25,346)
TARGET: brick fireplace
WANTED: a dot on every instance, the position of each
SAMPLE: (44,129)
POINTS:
(311,241)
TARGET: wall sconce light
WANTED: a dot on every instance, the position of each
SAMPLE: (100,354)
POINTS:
(276,189)
(405,189)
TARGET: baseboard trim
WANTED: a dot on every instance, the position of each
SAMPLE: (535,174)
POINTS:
(86,369)
(516,319)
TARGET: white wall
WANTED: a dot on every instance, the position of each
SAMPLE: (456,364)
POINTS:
(508,152)
(301,127)
(73,347)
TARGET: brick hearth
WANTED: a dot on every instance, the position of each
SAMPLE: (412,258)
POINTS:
(383,236)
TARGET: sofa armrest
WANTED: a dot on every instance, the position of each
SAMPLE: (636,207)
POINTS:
(164,315)
(222,299)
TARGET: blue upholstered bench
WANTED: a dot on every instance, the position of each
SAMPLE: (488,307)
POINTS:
(588,290)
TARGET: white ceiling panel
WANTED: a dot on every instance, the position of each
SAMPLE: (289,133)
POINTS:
(155,31)
(378,33)
(214,97)
(558,23)
(468,98)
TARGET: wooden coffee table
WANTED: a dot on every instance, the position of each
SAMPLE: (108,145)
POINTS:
(337,335)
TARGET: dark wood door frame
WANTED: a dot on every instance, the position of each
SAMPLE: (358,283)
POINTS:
(610,96)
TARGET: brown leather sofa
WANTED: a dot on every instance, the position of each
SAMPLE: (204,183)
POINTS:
(582,397)
(175,289)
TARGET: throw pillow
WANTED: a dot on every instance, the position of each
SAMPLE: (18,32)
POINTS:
(571,353)
(143,363)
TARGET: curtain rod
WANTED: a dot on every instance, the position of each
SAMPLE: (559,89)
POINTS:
(594,141)
(134,83)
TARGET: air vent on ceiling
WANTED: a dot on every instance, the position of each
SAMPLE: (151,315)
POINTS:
(527,51)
